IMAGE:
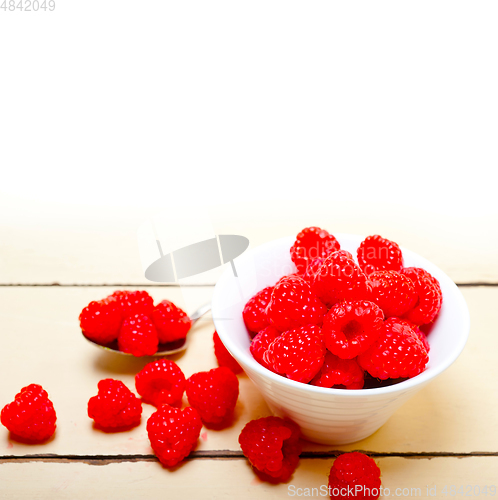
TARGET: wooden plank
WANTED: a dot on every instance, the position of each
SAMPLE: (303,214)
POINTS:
(203,479)
(44,243)
(41,343)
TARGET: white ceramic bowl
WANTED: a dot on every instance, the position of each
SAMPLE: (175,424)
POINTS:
(330,416)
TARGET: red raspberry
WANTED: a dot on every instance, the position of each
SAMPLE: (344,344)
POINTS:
(312,269)
(422,337)
(293,304)
(131,303)
(429,296)
(254,312)
(170,321)
(350,328)
(223,356)
(298,354)
(420,334)
(393,292)
(161,382)
(213,394)
(356,474)
(138,336)
(398,353)
(312,242)
(173,433)
(340,278)
(31,416)
(115,406)
(379,254)
(339,372)
(261,342)
(272,446)
(100,320)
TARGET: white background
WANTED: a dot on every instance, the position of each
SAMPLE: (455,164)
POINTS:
(120,107)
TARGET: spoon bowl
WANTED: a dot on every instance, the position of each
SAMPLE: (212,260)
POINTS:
(162,349)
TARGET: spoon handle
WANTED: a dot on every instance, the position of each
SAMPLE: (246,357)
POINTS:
(200,312)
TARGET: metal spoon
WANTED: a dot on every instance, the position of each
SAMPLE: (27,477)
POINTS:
(162,349)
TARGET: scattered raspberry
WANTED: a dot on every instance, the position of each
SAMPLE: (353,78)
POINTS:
(298,354)
(131,303)
(31,416)
(213,394)
(312,269)
(115,406)
(161,382)
(356,474)
(100,320)
(393,292)
(293,304)
(335,372)
(350,328)
(340,278)
(312,242)
(261,342)
(173,433)
(138,336)
(254,312)
(170,321)
(378,254)
(272,446)
(398,353)
(223,356)
(429,296)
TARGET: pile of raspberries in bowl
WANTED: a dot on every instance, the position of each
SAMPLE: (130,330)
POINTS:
(337,331)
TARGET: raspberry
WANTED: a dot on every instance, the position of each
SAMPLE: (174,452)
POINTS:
(350,328)
(131,303)
(420,334)
(100,320)
(354,475)
(115,406)
(31,416)
(170,321)
(298,354)
(173,433)
(223,356)
(312,242)
(393,292)
(312,269)
(339,372)
(398,353)
(138,336)
(213,394)
(422,337)
(429,296)
(254,312)
(293,304)
(161,382)
(272,446)
(339,278)
(261,342)
(379,254)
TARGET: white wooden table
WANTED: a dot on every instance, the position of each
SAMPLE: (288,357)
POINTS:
(446,435)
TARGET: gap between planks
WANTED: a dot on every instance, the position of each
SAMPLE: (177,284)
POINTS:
(225,455)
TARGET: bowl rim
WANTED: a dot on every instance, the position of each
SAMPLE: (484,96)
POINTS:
(419,380)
